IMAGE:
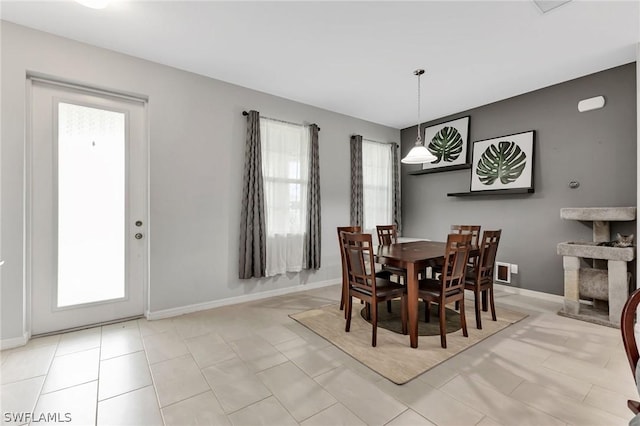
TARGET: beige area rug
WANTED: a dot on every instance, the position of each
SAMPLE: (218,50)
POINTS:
(393,358)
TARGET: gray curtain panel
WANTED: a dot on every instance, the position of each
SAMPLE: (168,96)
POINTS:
(252,219)
(312,242)
(397,201)
(357,213)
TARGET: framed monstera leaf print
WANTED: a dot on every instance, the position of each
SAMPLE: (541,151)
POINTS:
(449,142)
(503,163)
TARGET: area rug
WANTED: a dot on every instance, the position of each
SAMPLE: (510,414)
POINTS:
(393,358)
(392,321)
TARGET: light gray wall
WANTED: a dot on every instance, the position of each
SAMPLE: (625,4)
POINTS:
(596,148)
(197,137)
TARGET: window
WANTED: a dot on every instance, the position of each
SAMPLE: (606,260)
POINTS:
(377,184)
(285,170)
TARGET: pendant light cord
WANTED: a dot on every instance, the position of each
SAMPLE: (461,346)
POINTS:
(419,73)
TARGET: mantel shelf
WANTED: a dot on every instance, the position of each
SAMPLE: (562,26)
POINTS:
(492,192)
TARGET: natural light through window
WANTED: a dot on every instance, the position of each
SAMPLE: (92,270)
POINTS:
(91,204)
(285,170)
(377,184)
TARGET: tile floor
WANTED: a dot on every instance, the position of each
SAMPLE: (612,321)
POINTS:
(252,365)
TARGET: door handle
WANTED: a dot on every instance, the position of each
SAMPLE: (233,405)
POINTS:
(139,236)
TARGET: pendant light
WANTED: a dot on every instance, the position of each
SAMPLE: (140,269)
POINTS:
(419,154)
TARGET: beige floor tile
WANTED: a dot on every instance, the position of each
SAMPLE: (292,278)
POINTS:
(19,397)
(488,421)
(609,401)
(136,408)
(72,369)
(266,412)
(336,415)
(177,379)
(193,325)
(490,370)
(316,361)
(438,375)
(551,379)
(257,353)
(493,403)
(25,364)
(410,418)
(277,334)
(585,371)
(121,326)
(116,342)
(235,385)
(565,409)
(77,403)
(356,394)
(296,391)
(147,328)
(202,409)
(432,404)
(123,374)
(163,346)
(209,349)
(78,341)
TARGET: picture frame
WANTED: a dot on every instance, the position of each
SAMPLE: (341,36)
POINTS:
(505,162)
(449,142)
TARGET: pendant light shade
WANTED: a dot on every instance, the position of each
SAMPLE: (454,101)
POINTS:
(419,154)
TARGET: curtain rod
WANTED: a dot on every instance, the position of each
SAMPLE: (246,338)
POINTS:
(371,140)
(245,113)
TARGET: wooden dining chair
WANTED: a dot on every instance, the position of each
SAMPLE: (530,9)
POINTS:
(341,229)
(474,231)
(387,235)
(627,322)
(450,286)
(365,285)
(480,276)
(380,274)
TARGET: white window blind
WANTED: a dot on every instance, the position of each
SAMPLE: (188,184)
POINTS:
(285,170)
(377,185)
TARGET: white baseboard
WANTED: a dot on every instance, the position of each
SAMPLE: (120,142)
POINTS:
(531,293)
(172,312)
(14,342)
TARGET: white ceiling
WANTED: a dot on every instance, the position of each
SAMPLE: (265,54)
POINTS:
(358,58)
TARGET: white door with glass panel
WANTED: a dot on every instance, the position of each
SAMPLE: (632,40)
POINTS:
(87,207)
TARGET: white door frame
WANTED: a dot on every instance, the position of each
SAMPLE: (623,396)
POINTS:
(32,77)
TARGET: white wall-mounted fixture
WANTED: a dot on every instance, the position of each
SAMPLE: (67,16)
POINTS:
(94,4)
(591,104)
(503,272)
(418,154)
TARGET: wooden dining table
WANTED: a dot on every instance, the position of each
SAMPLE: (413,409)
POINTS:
(415,257)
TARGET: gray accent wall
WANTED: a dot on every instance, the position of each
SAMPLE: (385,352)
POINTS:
(596,148)
(197,137)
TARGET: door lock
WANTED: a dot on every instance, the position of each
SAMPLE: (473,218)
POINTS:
(139,236)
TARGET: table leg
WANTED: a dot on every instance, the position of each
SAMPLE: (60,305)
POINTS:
(412,302)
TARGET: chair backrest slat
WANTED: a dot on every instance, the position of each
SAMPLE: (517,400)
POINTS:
(474,230)
(485,263)
(387,234)
(360,260)
(455,262)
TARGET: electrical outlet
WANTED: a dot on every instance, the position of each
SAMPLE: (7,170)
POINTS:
(514,268)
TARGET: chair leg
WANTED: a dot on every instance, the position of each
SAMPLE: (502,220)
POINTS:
(427,311)
(389,306)
(457,305)
(476,296)
(347,312)
(342,296)
(493,306)
(463,318)
(374,314)
(367,311)
(443,326)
